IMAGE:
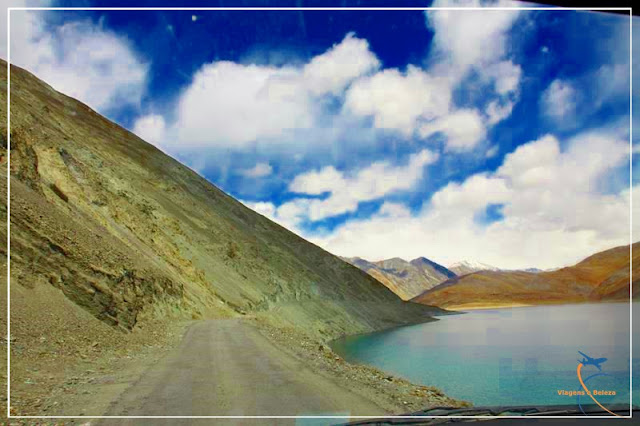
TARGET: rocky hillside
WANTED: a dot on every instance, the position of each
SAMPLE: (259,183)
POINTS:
(603,276)
(128,233)
(406,279)
(467,267)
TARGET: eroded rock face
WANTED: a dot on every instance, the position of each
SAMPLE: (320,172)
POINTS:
(128,233)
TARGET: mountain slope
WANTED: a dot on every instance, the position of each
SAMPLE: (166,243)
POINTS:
(129,234)
(603,276)
(406,279)
(467,267)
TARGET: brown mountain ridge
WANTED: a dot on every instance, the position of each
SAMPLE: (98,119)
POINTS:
(602,276)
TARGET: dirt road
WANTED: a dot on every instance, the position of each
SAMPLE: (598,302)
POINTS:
(227,367)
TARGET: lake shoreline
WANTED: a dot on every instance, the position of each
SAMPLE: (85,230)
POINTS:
(394,393)
(500,356)
(484,306)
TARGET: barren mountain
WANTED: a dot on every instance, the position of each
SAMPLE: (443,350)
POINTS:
(467,267)
(127,232)
(602,276)
(113,242)
(406,279)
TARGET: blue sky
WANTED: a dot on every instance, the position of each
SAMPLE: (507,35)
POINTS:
(499,136)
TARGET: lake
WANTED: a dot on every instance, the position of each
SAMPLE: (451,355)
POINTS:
(517,356)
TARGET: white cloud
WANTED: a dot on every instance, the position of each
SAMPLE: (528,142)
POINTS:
(233,104)
(478,40)
(611,81)
(16,27)
(467,38)
(464,129)
(150,128)
(265,208)
(555,211)
(332,71)
(553,188)
(80,59)
(288,215)
(347,190)
(456,200)
(238,105)
(317,183)
(371,183)
(396,210)
(492,152)
(230,104)
(506,76)
(398,100)
(498,109)
(558,101)
(258,171)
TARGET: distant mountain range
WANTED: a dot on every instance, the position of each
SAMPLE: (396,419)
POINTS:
(602,276)
(407,279)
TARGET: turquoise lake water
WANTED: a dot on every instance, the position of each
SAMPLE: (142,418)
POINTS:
(517,356)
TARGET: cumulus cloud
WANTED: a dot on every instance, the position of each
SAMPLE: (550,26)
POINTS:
(332,71)
(554,188)
(231,104)
(80,59)
(258,171)
(478,40)
(471,38)
(558,101)
(498,109)
(505,75)
(396,210)
(399,100)
(464,129)
(237,105)
(345,191)
(265,208)
(554,206)
(234,104)
(288,215)
(151,128)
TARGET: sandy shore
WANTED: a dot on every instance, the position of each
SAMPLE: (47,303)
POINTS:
(502,305)
(484,306)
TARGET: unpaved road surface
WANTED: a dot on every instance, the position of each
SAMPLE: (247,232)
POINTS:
(228,368)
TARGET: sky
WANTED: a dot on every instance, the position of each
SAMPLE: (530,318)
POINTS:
(494,136)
